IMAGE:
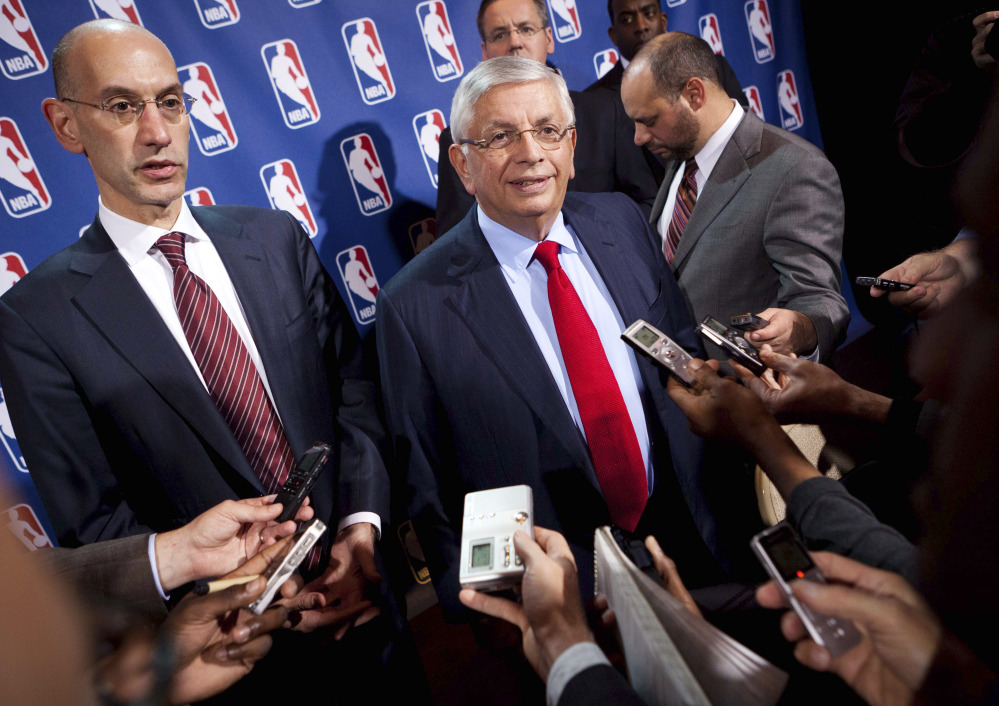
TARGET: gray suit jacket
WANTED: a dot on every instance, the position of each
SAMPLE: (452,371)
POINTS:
(117,571)
(767,231)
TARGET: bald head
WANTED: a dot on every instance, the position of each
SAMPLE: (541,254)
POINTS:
(66,68)
(672,59)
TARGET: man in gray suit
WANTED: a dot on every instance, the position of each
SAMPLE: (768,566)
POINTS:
(749,215)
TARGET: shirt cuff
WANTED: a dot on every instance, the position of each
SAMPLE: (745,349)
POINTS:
(151,551)
(356,517)
(574,660)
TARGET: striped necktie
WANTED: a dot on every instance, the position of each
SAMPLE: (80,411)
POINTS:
(686,197)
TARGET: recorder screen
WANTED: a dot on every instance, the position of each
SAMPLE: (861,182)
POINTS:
(788,555)
(482,555)
(646,336)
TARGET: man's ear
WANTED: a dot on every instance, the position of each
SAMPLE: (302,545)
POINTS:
(695,93)
(63,122)
(612,33)
(459,160)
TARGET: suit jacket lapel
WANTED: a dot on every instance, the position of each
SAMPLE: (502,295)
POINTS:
(660,203)
(730,173)
(116,304)
(484,301)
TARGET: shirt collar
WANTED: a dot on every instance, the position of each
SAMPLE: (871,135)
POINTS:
(134,239)
(512,250)
(707,158)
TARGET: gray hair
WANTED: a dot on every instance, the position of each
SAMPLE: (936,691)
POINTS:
(498,72)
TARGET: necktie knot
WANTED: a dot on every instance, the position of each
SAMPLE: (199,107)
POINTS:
(547,254)
(689,170)
(172,247)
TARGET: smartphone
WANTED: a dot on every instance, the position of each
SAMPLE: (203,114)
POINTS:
(654,344)
(747,322)
(284,565)
(785,559)
(731,341)
(301,479)
(889,285)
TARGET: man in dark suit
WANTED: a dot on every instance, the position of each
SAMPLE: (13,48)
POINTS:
(606,156)
(749,216)
(479,387)
(633,23)
(122,411)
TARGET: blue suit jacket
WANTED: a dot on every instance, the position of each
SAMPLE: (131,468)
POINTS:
(117,430)
(471,403)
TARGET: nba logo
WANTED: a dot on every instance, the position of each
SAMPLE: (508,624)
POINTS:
(604,61)
(116,9)
(23,522)
(428,127)
(708,25)
(303,3)
(21,53)
(359,278)
(371,68)
(8,438)
(674,3)
(217,13)
(439,39)
(284,190)
(787,100)
(422,233)
(21,186)
(13,270)
(565,19)
(213,129)
(761,32)
(755,102)
(366,174)
(200,196)
(290,82)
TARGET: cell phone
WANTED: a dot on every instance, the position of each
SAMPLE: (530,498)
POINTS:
(654,344)
(490,519)
(301,480)
(889,285)
(747,322)
(785,559)
(731,341)
(284,565)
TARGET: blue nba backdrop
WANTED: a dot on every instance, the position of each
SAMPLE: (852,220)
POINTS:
(329,109)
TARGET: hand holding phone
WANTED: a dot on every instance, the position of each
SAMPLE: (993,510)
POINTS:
(732,343)
(888,285)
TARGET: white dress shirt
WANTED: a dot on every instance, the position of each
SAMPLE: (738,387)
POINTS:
(528,282)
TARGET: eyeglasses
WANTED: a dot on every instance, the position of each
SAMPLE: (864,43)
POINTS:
(501,35)
(548,138)
(126,111)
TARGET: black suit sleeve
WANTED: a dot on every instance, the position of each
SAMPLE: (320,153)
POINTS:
(599,685)
(729,81)
(453,201)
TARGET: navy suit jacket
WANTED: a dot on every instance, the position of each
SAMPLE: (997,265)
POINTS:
(117,430)
(471,403)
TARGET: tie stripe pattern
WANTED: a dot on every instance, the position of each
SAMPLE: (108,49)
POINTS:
(617,457)
(228,370)
(686,197)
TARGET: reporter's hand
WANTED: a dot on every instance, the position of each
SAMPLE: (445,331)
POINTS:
(788,332)
(983,24)
(551,616)
(221,538)
(718,407)
(938,277)
(810,392)
(341,597)
(900,632)
(669,577)
(215,640)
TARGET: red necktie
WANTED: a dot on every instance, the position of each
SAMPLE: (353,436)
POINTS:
(617,457)
(686,197)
